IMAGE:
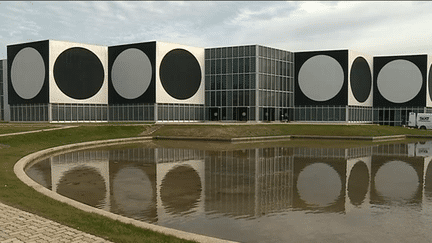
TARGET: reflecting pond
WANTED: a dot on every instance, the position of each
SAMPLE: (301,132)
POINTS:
(274,193)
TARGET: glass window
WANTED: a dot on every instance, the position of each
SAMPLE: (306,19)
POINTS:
(260,65)
(273,67)
(218,66)
(192,115)
(207,67)
(229,81)
(140,111)
(235,65)
(218,82)
(246,51)
(213,66)
(207,82)
(268,66)
(218,98)
(181,113)
(94,110)
(207,54)
(252,64)
(224,81)
(212,53)
(224,65)
(207,98)
(252,80)
(235,98)
(229,65)
(246,98)
(278,68)
(224,103)
(135,109)
(212,99)
(224,52)
(229,98)
(241,51)
(212,82)
(54,113)
(229,52)
(61,116)
(172,113)
(81,113)
(252,98)
(235,51)
(246,81)
(218,53)
(241,65)
(235,81)
(247,64)
(74,112)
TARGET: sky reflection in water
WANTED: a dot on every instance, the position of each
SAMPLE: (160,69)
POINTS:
(275,194)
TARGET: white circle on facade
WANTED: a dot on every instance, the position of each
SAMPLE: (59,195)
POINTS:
(28,73)
(319,185)
(396,180)
(399,81)
(131,73)
(321,78)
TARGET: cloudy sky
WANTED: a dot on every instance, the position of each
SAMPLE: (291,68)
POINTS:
(376,28)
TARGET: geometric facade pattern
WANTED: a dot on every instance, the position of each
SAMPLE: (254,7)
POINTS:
(58,81)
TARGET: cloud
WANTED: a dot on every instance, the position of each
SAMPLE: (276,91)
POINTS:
(371,27)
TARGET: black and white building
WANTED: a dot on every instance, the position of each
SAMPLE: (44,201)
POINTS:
(156,81)
(59,81)
(400,87)
(334,85)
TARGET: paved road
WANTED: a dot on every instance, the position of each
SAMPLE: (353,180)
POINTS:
(20,226)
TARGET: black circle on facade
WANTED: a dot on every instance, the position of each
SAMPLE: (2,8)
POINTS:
(78,73)
(430,82)
(361,79)
(180,74)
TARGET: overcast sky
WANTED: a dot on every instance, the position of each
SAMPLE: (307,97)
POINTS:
(376,28)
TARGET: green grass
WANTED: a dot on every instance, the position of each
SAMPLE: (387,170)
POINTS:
(15,193)
(12,128)
(259,130)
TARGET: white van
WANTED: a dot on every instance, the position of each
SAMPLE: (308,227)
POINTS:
(420,120)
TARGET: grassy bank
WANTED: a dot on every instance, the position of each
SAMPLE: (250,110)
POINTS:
(15,193)
(259,130)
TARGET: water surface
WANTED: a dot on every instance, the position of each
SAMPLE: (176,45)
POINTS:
(273,193)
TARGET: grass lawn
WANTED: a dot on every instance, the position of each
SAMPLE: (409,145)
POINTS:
(12,128)
(259,130)
(15,193)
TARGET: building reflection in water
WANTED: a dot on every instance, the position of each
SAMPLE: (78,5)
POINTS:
(156,184)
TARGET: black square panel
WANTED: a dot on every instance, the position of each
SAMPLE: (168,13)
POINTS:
(321,78)
(400,81)
(131,73)
(28,73)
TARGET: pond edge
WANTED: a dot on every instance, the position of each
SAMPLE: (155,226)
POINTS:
(25,161)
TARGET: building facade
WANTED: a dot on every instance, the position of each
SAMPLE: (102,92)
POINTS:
(156,81)
(333,86)
(249,83)
(58,81)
